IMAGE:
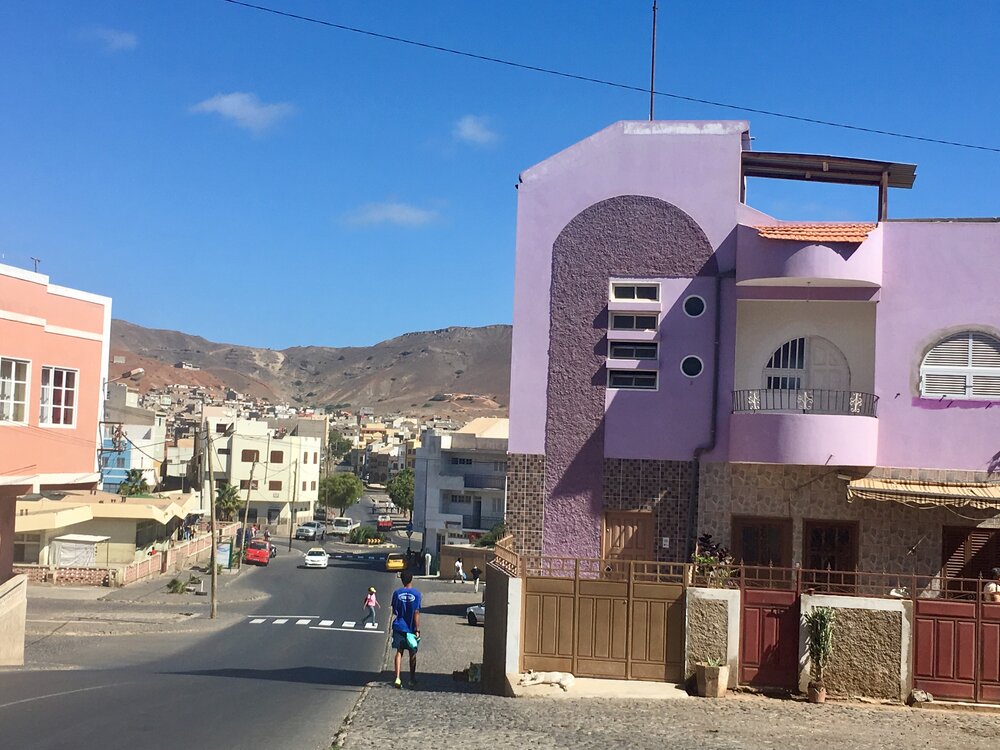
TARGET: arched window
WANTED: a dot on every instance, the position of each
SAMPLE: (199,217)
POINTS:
(963,366)
(807,362)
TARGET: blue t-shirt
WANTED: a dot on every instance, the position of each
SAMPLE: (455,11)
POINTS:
(405,604)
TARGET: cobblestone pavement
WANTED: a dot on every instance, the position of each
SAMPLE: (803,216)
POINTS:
(442,713)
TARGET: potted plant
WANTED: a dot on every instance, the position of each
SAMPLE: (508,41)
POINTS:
(712,678)
(713,564)
(819,642)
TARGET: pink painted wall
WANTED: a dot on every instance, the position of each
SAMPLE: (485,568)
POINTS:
(30,449)
(939,277)
(692,165)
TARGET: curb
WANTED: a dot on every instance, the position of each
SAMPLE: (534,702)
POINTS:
(341,736)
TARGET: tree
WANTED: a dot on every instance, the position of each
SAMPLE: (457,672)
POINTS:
(341,491)
(400,489)
(134,484)
(227,500)
(338,445)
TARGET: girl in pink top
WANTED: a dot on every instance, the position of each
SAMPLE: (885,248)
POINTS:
(371,604)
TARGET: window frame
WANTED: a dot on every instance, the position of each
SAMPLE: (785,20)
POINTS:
(74,408)
(634,346)
(704,305)
(26,401)
(635,317)
(969,371)
(612,374)
(253,452)
(280,457)
(700,361)
(635,286)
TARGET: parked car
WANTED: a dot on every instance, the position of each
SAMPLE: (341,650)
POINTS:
(343,525)
(312,530)
(316,557)
(476,614)
(384,523)
(395,561)
(258,552)
(319,514)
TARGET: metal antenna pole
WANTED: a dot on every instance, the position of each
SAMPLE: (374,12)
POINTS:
(36,261)
(652,67)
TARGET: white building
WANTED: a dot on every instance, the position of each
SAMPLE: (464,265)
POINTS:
(460,482)
(280,471)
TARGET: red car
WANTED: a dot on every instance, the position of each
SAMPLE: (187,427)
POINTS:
(384,523)
(259,552)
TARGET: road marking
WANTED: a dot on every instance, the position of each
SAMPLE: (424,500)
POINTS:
(56,695)
(348,624)
(326,623)
(346,630)
(280,621)
(257,621)
(303,622)
(290,617)
(371,625)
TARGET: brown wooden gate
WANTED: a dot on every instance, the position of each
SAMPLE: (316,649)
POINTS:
(604,618)
(957,647)
(769,627)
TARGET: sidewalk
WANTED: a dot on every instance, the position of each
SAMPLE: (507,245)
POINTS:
(441,713)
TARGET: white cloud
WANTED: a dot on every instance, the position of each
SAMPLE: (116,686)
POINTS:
(245,110)
(112,40)
(475,129)
(390,212)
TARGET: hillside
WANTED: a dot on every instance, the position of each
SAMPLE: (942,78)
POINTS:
(463,372)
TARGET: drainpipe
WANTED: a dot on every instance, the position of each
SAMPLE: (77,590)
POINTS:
(710,444)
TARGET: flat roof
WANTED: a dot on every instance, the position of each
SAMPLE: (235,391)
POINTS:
(81,538)
(819,168)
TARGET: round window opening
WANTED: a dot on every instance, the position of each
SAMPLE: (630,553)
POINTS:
(692,366)
(694,306)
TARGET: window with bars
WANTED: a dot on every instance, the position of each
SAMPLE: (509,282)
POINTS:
(58,396)
(962,366)
(13,390)
(632,350)
(634,380)
(786,368)
(624,322)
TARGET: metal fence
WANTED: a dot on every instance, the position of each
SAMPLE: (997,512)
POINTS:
(806,401)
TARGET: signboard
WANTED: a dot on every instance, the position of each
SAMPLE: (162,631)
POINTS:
(224,554)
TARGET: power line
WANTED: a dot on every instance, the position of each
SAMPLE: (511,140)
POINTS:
(612,84)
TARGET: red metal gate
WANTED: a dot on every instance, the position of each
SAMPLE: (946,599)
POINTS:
(769,627)
(957,647)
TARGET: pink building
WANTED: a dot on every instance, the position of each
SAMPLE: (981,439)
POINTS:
(816,395)
(54,346)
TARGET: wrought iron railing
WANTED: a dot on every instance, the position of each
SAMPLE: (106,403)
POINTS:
(805,401)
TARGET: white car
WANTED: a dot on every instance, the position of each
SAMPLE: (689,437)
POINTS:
(316,557)
(476,614)
(342,525)
(312,530)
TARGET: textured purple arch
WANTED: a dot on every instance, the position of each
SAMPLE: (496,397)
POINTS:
(625,236)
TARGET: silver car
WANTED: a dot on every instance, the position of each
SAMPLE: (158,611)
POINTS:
(311,530)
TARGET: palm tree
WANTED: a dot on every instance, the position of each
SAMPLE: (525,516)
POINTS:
(134,484)
(227,500)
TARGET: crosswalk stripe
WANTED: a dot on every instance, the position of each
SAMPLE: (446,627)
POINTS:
(371,625)
(326,623)
(280,621)
(348,624)
(302,622)
(258,621)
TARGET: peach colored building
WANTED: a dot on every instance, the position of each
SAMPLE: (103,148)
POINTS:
(54,346)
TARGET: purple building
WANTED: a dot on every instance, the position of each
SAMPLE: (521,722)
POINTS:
(823,395)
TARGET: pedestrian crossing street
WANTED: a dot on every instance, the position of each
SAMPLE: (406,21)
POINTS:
(315,622)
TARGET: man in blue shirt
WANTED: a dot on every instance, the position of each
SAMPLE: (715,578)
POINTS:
(406,625)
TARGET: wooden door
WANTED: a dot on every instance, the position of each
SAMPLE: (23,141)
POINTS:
(628,535)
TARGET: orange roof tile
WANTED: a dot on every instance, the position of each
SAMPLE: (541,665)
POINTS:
(853,233)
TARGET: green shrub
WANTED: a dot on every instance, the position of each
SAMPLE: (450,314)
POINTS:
(492,536)
(176,586)
(361,535)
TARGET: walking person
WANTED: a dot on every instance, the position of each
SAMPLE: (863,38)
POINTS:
(406,625)
(476,575)
(459,572)
(371,605)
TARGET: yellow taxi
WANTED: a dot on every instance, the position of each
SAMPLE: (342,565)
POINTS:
(395,561)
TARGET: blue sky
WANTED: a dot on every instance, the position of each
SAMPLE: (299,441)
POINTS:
(264,181)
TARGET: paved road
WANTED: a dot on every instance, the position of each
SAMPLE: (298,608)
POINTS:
(281,673)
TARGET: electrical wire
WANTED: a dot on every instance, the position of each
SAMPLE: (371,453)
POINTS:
(612,84)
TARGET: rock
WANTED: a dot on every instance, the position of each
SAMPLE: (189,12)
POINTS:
(919,696)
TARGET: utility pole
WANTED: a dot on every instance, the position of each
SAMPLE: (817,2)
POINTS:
(246,517)
(652,67)
(291,508)
(211,503)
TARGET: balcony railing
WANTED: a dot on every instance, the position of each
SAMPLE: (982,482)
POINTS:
(480,481)
(805,401)
(484,523)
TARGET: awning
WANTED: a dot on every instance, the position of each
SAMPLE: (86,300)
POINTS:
(970,495)
(81,538)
